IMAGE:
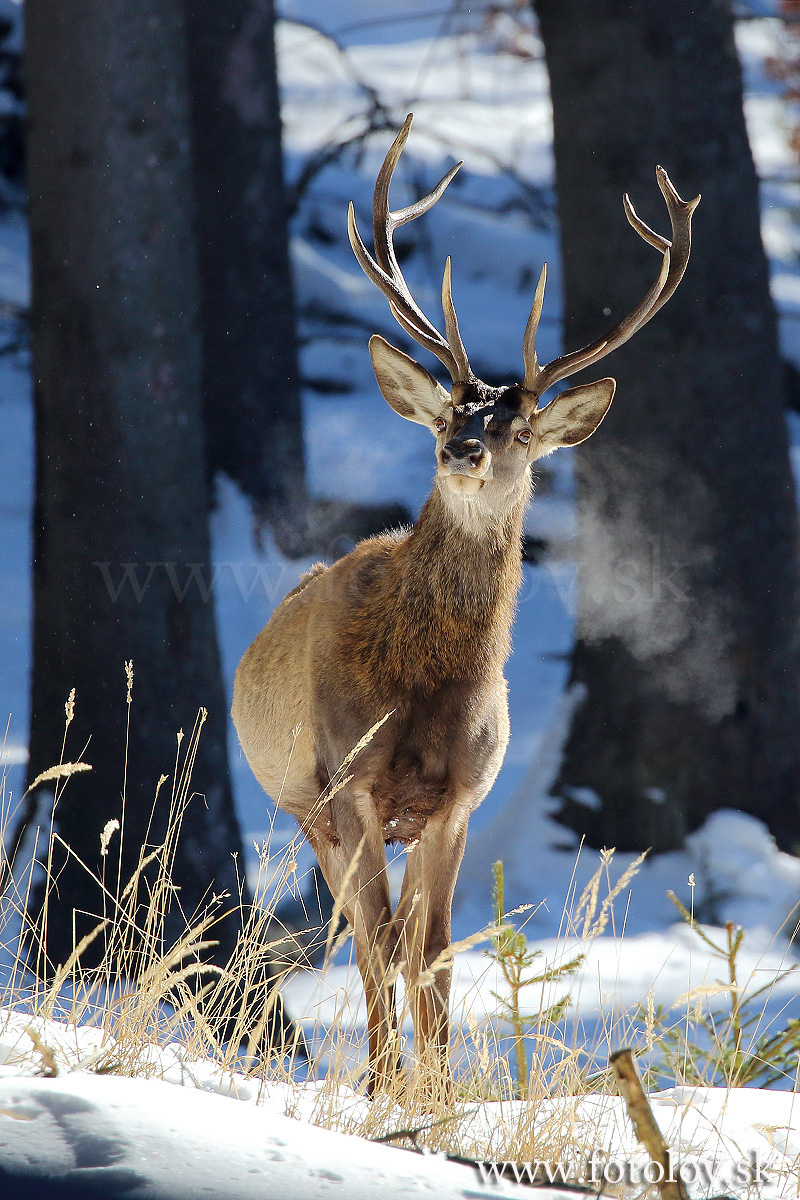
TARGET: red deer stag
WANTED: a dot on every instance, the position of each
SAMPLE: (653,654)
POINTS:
(416,624)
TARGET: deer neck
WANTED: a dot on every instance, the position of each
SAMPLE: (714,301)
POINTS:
(456,580)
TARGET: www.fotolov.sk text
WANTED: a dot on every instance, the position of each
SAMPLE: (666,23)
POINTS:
(597,1168)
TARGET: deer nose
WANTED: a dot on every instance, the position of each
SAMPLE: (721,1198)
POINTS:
(466,448)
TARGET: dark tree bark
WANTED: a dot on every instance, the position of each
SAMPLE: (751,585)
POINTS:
(251,387)
(687,645)
(119,460)
(251,383)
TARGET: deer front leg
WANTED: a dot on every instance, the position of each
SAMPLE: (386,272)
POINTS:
(423,921)
(356,870)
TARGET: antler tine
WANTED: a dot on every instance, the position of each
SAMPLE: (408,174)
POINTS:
(569,364)
(385,222)
(382,218)
(532,368)
(398,301)
(421,206)
(385,273)
(675,256)
(680,215)
(451,325)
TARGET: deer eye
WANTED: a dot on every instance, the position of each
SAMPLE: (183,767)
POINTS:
(524,436)
(440,424)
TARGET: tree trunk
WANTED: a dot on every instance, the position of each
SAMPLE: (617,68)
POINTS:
(687,623)
(251,380)
(121,495)
(251,386)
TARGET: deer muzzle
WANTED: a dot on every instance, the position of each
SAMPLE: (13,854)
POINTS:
(466,464)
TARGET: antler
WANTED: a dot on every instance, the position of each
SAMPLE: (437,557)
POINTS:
(675,257)
(386,273)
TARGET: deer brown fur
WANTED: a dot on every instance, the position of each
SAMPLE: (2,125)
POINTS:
(414,627)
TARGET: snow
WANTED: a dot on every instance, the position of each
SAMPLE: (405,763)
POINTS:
(130,1137)
(16,501)
(618,973)
(236,1138)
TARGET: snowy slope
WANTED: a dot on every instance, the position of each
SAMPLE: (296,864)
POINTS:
(89,1135)
(186,1132)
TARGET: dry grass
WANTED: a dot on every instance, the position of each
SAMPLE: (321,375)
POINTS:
(147,993)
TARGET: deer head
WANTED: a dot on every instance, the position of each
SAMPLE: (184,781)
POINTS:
(487,437)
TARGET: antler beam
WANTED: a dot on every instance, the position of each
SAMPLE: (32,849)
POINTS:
(385,273)
(675,257)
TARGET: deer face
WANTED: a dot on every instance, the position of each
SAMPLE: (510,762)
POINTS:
(482,440)
(486,438)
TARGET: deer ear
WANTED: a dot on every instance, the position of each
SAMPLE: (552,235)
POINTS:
(573,416)
(406,386)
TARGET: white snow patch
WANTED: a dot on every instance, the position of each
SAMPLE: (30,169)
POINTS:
(106,1132)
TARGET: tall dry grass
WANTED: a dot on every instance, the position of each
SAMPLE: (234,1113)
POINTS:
(533,1069)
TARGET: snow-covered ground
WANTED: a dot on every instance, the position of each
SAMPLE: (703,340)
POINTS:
(479,92)
(231,1137)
